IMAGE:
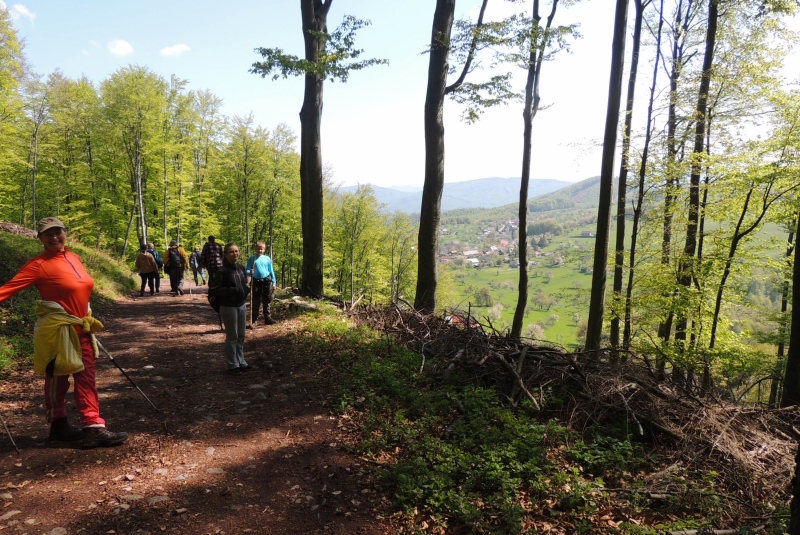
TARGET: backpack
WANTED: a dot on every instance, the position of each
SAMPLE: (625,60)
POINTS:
(175,259)
(159,262)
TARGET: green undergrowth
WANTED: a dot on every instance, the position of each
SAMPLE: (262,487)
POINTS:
(455,459)
(18,314)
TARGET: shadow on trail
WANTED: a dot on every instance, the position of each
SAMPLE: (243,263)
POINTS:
(255,453)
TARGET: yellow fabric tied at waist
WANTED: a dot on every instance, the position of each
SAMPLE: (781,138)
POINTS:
(54,338)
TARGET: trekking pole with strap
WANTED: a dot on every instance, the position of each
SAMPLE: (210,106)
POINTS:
(103,349)
(9,435)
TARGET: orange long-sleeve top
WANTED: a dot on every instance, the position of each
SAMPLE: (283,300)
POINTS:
(59,276)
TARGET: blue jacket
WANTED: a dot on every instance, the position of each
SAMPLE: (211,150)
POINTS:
(260,267)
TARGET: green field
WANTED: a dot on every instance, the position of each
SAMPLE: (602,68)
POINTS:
(563,285)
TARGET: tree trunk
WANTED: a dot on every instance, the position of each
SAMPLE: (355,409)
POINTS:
(594,327)
(686,270)
(791,378)
(622,186)
(532,98)
(128,232)
(315,14)
(791,388)
(138,180)
(779,363)
(637,211)
(680,25)
(425,299)
(166,195)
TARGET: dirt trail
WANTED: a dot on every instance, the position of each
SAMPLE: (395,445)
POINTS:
(256,453)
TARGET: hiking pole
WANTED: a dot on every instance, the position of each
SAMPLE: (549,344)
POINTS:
(252,291)
(103,349)
(9,435)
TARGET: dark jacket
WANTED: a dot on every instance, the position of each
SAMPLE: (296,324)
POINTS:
(229,285)
(211,257)
(195,260)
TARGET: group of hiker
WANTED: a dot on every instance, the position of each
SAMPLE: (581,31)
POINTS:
(175,262)
(228,289)
(64,341)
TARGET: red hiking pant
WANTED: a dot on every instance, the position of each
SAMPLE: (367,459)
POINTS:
(55,389)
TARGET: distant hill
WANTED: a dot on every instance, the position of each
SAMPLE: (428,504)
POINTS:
(583,195)
(480,193)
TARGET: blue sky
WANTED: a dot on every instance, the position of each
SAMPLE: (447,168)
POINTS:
(372,126)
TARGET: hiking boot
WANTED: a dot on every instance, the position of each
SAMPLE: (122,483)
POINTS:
(102,437)
(269,321)
(61,430)
(247,368)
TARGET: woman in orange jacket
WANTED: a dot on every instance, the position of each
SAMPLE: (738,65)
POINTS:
(63,282)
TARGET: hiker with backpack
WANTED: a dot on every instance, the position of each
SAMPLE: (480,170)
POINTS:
(147,268)
(151,248)
(211,257)
(195,260)
(175,263)
(259,268)
(228,290)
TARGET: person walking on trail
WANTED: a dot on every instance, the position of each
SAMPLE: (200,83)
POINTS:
(211,257)
(175,263)
(160,263)
(147,268)
(229,287)
(259,269)
(195,262)
(63,337)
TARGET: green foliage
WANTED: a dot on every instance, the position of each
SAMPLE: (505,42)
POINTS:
(608,455)
(483,298)
(355,264)
(335,62)
(544,226)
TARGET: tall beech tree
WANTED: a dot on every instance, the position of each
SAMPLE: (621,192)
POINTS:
(642,172)
(594,328)
(622,185)
(135,101)
(328,56)
(682,29)
(687,265)
(12,68)
(538,42)
(496,91)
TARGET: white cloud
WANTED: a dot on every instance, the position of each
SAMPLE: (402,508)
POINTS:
(175,50)
(18,11)
(120,47)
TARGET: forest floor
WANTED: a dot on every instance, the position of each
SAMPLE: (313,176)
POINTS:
(261,452)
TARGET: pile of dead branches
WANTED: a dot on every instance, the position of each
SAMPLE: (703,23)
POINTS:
(752,448)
